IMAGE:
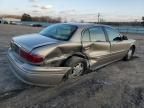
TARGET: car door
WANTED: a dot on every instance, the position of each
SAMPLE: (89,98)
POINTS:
(119,47)
(96,46)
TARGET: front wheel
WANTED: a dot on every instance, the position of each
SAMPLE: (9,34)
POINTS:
(78,65)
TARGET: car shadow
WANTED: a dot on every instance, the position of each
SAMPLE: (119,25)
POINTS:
(135,57)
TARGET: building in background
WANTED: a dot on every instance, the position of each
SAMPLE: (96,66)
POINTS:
(9,20)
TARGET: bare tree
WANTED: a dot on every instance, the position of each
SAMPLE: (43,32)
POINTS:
(26,17)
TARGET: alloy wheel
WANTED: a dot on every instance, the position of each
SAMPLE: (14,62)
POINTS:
(77,70)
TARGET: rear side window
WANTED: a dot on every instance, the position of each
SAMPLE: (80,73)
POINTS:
(86,36)
(112,33)
(94,34)
(97,34)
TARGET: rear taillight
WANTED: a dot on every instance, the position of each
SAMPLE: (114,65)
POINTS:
(33,58)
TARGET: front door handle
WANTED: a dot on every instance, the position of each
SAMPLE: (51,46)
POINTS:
(87,48)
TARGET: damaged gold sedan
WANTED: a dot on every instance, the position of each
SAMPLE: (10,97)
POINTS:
(66,50)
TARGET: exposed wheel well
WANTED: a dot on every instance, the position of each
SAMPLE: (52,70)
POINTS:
(133,47)
(75,55)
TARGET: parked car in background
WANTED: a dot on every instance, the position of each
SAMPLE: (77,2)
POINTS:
(3,22)
(66,50)
(36,25)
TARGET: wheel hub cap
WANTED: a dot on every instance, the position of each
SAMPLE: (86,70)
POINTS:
(77,70)
(130,54)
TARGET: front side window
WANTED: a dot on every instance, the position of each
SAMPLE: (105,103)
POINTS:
(59,31)
(112,34)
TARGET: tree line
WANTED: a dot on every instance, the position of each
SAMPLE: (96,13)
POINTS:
(132,23)
(27,17)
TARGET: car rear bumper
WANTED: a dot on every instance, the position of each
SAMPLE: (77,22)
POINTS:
(36,75)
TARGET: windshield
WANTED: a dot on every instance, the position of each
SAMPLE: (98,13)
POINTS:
(59,31)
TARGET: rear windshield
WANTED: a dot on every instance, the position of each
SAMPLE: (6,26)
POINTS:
(59,31)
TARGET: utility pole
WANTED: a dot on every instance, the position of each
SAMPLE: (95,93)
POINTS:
(143,20)
(98,17)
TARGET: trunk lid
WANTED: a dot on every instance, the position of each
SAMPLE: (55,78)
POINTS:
(31,41)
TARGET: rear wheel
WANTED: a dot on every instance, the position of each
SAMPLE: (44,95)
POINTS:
(129,54)
(79,66)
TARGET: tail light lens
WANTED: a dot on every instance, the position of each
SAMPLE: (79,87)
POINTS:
(33,58)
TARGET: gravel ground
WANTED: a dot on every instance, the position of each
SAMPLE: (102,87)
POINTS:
(118,85)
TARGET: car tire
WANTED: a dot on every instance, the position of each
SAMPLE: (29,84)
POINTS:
(79,67)
(130,54)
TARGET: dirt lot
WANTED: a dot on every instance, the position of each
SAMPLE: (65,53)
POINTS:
(119,85)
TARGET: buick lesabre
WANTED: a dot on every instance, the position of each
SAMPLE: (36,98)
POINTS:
(66,50)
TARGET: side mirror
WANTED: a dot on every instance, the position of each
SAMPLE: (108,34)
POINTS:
(124,37)
(117,39)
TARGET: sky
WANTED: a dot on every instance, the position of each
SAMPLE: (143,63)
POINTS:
(76,10)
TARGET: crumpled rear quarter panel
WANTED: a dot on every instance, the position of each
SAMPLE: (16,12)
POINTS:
(57,53)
